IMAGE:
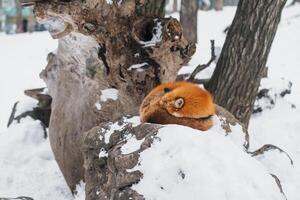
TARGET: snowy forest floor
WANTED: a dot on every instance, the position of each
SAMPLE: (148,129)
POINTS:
(27,165)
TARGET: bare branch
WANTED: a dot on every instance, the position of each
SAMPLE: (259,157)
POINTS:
(182,77)
(268,147)
(200,81)
(12,115)
(278,184)
(200,68)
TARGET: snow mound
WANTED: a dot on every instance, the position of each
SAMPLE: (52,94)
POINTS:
(237,135)
(185,163)
(271,91)
(27,164)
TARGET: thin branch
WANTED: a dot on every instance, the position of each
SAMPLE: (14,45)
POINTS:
(200,81)
(200,68)
(12,115)
(182,77)
(279,184)
(268,147)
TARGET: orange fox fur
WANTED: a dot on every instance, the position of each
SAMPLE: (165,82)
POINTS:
(196,111)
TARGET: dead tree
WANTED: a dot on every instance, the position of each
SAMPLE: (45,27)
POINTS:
(242,62)
(188,19)
(110,54)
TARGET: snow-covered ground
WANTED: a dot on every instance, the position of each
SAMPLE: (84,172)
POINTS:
(184,164)
(22,57)
(27,165)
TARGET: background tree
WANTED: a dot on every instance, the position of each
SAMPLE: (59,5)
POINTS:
(237,76)
(295,1)
(18,16)
(175,9)
(230,2)
(217,4)
(188,19)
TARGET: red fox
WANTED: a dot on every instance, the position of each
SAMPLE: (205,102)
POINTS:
(178,103)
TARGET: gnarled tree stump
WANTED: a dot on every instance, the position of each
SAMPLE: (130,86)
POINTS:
(110,54)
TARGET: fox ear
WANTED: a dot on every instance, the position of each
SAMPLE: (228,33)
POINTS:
(166,90)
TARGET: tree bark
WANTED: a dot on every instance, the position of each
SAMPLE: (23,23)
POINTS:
(18,16)
(123,48)
(237,76)
(188,19)
(175,9)
(219,5)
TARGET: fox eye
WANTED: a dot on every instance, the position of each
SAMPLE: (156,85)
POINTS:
(179,103)
(166,90)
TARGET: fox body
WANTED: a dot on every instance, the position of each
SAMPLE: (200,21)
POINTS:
(178,103)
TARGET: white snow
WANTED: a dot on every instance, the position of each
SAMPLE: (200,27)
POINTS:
(236,135)
(98,105)
(120,2)
(55,24)
(109,93)
(80,188)
(109,2)
(103,153)
(106,94)
(22,58)
(135,120)
(131,145)
(185,163)
(280,126)
(156,37)
(27,165)
(27,104)
(115,126)
(137,66)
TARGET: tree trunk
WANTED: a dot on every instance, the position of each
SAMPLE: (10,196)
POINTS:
(219,5)
(188,19)
(18,16)
(231,2)
(237,76)
(175,9)
(110,55)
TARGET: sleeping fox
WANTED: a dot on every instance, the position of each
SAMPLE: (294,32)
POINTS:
(178,103)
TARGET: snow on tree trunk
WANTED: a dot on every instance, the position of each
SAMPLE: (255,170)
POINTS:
(237,76)
(128,160)
(110,54)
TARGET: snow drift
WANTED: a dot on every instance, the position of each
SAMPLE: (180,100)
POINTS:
(184,163)
(149,161)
